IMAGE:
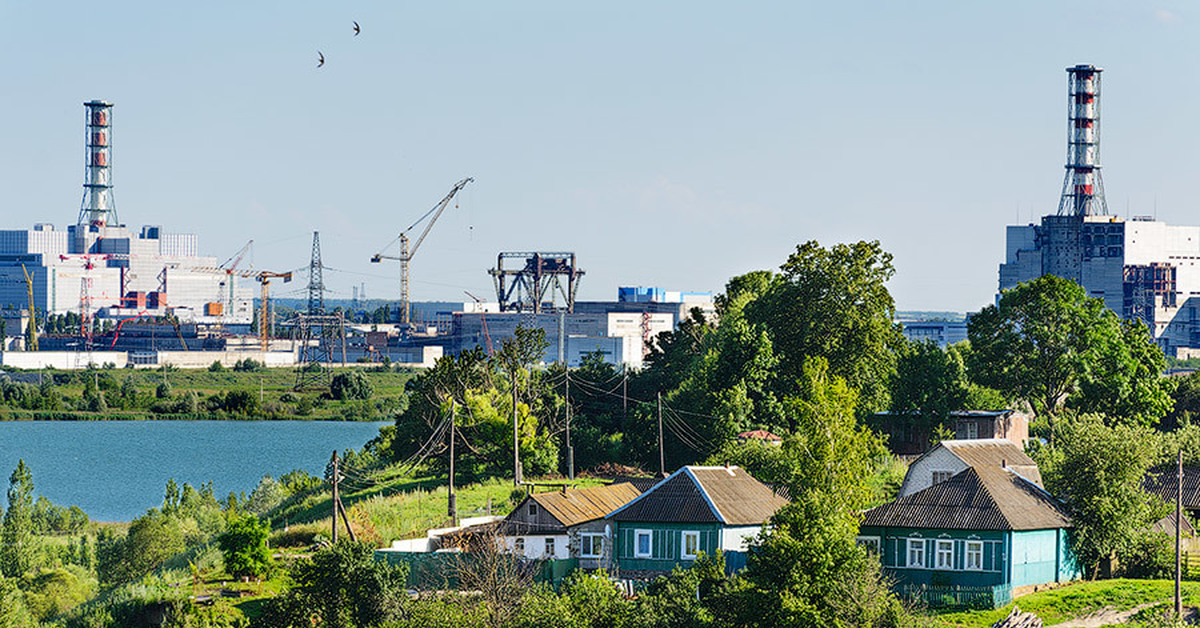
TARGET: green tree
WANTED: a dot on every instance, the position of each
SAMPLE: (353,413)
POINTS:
(832,302)
(1047,341)
(339,587)
(18,543)
(930,383)
(1097,470)
(152,538)
(13,611)
(351,385)
(244,546)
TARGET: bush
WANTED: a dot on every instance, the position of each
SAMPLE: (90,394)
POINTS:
(248,366)
(216,367)
(244,546)
(352,385)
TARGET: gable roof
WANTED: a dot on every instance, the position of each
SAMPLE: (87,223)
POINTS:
(575,506)
(1161,481)
(991,453)
(979,498)
(726,495)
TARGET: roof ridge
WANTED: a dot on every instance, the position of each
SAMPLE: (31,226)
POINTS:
(704,492)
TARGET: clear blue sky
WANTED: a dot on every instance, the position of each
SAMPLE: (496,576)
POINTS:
(667,143)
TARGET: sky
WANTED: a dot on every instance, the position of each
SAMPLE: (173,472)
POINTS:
(672,144)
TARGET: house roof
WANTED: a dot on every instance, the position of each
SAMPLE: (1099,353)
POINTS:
(760,435)
(1161,481)
(726,495)
(979,414)
(575,506)
(993,453)
(979,498)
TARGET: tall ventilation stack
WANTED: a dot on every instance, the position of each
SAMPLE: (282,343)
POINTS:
(97,209)
(1083,189)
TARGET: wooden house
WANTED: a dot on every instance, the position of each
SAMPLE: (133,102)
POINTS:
(951,457)
(565,524)
(694,510)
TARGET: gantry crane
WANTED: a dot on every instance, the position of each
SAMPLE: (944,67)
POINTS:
(33,336)
(406,255)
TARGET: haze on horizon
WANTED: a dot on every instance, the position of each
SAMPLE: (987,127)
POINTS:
(671,144)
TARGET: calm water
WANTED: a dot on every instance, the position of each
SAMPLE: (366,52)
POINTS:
(116,470)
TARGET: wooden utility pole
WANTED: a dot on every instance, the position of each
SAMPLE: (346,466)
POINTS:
(451,501)
(624,395)
(1178,543)
(516,435)
(336,501)
(662,465)
(570,449)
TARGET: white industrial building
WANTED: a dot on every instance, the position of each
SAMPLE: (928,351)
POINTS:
(622,337)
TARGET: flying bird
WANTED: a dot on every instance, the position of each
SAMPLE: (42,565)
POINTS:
(357,30)
(320,59)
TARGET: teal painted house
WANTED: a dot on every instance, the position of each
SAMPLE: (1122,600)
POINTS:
(983,527)
(694,510)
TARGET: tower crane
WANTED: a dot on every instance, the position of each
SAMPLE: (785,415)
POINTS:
(406,255)
(263,277)
(33,336)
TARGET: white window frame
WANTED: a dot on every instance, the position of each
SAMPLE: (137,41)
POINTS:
(972,430)
(945,474)
(873,544)
(919,546)
(637,535)
(519,546)
(551,548)
(974,551)
(591,545)
(944,551)
(683,542)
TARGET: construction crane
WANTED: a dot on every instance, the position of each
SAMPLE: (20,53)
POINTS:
(33,336)
(406,255)
(231,265)
(263,277)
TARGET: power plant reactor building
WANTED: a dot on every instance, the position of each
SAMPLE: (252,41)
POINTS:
(1143,269)
(98,267)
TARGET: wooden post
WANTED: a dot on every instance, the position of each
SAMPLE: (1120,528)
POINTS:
(662,465)
(451,506)
(516,435)
(335,502)
(1178,536)
(570,450)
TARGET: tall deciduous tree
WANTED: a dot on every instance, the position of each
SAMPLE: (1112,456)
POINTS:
(1047,342)
(1097,470)
(18,545)
(832,302)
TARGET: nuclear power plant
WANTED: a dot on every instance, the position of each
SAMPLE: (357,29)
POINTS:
(99,268)
(1142,268)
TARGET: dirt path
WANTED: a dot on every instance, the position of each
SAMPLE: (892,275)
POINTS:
(1109,617)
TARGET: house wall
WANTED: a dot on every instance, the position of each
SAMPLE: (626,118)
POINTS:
(1041,556)
(535,546)
(893,545)
(666,543)
(736,539)
(600,527)
(920,473)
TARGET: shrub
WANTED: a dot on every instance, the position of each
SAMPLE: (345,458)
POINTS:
(352,385)
(244,546)
(216,367)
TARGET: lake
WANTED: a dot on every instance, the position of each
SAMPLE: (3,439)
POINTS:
(116,470)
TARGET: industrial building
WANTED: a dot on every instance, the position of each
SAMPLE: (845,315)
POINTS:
(1142,268)
(100,268)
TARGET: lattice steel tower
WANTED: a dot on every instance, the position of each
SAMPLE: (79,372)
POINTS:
(1083,189)
(97,207)
(316,282)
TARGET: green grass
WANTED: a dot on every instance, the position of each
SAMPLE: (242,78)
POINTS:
(1058,605)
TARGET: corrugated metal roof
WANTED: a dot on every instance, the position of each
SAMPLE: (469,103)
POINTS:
(725,495)
(575,506)
(995,453)
(1162,482)
(979,498)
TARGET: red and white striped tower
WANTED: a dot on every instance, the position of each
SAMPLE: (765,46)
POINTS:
(97,208)
(1083,189)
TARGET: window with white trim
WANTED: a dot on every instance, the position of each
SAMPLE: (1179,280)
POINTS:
(974,559)
(942,476)
(916,553)
(972,430)
(642,545)
(945,554)
(591,545)
(519,546)
(549,547)
(690,544)
(869,543)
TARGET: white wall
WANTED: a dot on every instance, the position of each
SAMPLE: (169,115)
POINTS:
(920,473)
(535,546)
(735,539)
(65,360)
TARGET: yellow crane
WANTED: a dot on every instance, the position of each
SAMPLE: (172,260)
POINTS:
(263,277)
(33,336)
(406,255)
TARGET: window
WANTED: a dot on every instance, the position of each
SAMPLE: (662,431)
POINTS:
(532,509)
(519,546)
(916,553)
(974,555)
(972,430)
(869,543)
(549,547)
(945,554)
(591,545)
(942,476)
(641,544)
(690,545)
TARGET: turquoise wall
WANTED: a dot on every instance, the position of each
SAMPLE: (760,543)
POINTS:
(666,544)
(894,555)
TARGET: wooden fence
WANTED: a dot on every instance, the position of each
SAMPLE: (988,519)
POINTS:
(963,597)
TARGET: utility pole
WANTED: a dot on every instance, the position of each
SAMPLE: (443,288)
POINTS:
(1178,546)
(451,504)
(570,449)
(335,496)
(662,466)
(516,435)
(625,395)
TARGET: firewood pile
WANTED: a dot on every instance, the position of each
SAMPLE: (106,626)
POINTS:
(1017,619)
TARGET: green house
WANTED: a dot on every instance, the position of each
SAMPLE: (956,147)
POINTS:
(984,527)
(694,510)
